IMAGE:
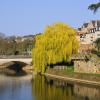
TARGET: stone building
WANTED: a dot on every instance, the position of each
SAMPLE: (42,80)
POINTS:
(28,49)
(87,34)
(87,65)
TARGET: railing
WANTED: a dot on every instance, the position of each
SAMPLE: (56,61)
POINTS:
(14,56)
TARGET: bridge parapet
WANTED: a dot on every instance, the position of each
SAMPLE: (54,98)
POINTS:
(14,56)
(25,60)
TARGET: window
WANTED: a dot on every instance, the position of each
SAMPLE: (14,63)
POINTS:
(92,31)
(96,29)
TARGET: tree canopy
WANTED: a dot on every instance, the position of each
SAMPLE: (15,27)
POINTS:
(94,7)
(56,44)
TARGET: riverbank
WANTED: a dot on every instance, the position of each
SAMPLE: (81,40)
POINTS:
(91,79)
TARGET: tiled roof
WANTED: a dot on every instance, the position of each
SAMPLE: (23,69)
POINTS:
(85,25)
(98,23)
(95,23)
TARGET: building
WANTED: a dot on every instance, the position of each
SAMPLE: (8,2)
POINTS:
(84,63)
(28,37)
(28,48)
(24,44)
(87,34)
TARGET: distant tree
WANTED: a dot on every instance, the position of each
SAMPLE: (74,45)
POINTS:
(56,44)
(14,45)
(94,7)
(97,43)
(2,35)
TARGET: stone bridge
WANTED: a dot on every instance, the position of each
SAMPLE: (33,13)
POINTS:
(4,60)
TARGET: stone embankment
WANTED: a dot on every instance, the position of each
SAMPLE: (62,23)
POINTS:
(93,79)
(28,68)
(65,78)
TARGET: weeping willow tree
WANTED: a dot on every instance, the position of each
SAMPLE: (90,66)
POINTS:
(56,44)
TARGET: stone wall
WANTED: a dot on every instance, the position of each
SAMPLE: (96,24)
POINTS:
(59,67)
(83,66)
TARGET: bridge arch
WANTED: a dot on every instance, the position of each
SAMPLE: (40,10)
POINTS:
(15,66)
(24,60)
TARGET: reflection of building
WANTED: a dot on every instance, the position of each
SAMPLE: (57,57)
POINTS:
(88,33)
(86,93)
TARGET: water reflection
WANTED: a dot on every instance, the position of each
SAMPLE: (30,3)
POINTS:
(15,88)
(14,68)
(44,88)
(45,91)
(48,89)
(88,93)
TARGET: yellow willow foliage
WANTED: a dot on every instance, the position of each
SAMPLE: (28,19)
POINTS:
(56,44)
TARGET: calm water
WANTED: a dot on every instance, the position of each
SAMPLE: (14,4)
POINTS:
(41,88)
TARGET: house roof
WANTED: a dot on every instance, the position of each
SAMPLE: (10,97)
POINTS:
(98,23)
(85,25)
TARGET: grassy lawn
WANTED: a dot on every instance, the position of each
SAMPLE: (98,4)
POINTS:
(69,72)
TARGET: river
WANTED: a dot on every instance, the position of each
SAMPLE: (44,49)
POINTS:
(43,88)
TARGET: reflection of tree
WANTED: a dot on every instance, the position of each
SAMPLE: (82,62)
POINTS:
(44,91)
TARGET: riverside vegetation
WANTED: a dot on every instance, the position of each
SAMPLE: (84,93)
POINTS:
(56,45)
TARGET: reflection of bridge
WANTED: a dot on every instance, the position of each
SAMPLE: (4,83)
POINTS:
(24,59)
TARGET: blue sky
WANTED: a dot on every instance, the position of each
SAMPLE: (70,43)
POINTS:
(23,17)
